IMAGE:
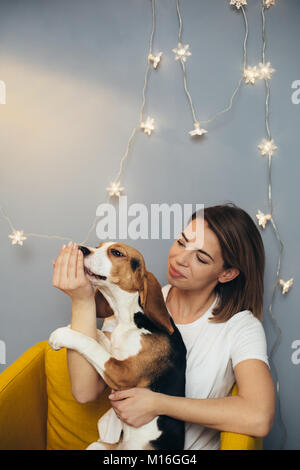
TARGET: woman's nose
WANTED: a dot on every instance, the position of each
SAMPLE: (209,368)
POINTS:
(183,259)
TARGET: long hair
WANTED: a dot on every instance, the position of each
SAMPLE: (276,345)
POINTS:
(242,248)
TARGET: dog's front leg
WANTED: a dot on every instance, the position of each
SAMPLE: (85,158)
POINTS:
(93,351)
(104,340)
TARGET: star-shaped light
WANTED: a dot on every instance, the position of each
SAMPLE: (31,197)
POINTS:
(198,130)
(262,218)
(155,59)
(182,52)
(267,147)
(265,70)
(17,237)
(286,285)
(115,189)
(148,126)
(268,3)
(251,74)
(238,3)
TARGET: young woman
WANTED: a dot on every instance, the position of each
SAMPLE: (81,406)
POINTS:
(215,296)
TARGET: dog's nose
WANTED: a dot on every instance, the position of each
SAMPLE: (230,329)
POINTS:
(84,250)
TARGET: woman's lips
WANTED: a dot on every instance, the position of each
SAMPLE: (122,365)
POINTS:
(174,273)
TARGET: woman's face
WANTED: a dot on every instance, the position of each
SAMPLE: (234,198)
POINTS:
(198,260)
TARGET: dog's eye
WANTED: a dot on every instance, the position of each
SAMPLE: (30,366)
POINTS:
(116,252)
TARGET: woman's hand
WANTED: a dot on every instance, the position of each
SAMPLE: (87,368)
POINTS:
(69,276)
(136,406)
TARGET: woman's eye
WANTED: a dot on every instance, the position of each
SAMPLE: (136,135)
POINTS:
(199,259)
(116,253)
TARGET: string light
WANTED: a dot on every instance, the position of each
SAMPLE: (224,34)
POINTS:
(286,285)
(198,130)
(238,3)
(155,59)
(148,126)
(263,218)
(115,189)
(268,3)
(182,52)
(17,237)
(265,70)
(267,147)
(251,74)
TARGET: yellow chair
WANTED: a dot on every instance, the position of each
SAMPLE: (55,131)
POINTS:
(38,411)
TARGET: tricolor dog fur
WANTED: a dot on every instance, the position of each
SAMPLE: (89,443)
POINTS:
(144,348)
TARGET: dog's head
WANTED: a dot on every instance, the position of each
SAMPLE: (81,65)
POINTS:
(123,266)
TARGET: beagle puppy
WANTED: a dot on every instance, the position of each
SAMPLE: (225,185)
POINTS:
(144,348)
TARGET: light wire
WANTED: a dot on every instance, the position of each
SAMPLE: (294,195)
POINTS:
(188,94)
(276,231)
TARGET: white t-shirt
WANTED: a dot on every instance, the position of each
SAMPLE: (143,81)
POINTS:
(213,350)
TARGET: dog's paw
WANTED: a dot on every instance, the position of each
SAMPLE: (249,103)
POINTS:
(57,339)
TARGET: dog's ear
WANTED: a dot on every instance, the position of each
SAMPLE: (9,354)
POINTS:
(103,309)
(153,303)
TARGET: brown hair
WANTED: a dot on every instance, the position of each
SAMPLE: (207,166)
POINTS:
(242,248)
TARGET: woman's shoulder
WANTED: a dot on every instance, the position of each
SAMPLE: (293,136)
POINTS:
(247,338)
(245,324)
(244,320)
(243,314)
(243,317)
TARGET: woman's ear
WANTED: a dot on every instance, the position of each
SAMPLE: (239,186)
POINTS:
(103,309)
(153,303)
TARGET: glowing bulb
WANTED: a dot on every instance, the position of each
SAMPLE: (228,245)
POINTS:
(286,285)
(262,218)
(198,130)
(265,70)
(17,237)
(238,3)
(148,126)
(267,147)
(155,59)
(268,3)
(251,74)
(114,189)
(182,52)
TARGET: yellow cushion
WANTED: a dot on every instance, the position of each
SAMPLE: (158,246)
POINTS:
(70,425)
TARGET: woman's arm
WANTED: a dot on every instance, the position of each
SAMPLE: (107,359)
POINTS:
(86,383)
(250,412)
(69,277)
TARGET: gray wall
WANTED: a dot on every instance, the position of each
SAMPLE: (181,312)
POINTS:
(74,73)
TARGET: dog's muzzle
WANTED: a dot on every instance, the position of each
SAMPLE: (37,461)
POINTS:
(87,252)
